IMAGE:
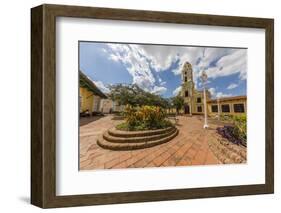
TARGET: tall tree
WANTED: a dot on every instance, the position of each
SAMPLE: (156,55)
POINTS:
(178,102)
(135,96)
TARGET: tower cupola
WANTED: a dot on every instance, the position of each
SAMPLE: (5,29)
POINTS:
(187,75)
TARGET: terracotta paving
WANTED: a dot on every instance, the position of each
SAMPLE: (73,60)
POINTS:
(190,147)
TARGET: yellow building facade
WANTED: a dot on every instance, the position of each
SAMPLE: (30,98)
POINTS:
(194,99)
(110,106)
(86,99)
(227,106)
(89,95)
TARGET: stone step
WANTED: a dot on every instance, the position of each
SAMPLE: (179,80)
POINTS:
(234,148)
(224,154)
(127,134)
(223,159)
(132,146)
(237,149)
(232,156)
(115,139)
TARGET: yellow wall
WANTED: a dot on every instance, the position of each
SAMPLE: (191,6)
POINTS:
(231,106)
(86,100)
(106,105)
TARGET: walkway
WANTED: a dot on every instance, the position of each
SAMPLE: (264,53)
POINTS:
(190,147)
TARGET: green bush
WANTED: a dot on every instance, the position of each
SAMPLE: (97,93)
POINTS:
(240,127)
(236,132)
(225,117)
(144,118)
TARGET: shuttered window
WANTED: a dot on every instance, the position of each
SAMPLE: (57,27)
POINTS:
(225,108)
(239,108)
(214,108)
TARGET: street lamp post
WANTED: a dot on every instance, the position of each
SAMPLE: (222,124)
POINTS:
(191,99)
(204,78)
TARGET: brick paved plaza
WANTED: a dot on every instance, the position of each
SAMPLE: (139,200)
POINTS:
(190,147)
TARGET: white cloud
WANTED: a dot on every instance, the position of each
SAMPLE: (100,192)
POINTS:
(114,57)
(160,57)
(233,63)
(177,90)
(177,71)
(142,60)
(161,81)
(212,54)
(159,90)
(216,94)
(101,86)
(138,66)
(216,61)
(212,91)
(232,86)
(222,95)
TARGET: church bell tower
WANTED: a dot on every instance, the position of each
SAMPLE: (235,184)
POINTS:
(187,87)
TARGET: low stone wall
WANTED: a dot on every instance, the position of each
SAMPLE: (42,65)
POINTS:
(129,140)
(227,152)
(127,134)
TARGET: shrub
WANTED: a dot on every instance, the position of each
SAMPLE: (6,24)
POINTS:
(226,117)
(144,118)
(240,127)
(238,132)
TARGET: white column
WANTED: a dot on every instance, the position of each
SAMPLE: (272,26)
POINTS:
(205,110)
(204,78)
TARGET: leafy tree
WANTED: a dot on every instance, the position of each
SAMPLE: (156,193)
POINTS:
(169,104)
(124,94)
(135,96)
(178,103)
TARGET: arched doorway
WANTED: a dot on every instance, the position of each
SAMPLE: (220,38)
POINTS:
(186,109)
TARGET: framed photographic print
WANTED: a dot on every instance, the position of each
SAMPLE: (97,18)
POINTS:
(137,106)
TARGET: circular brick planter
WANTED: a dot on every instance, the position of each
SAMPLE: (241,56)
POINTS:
(125,140)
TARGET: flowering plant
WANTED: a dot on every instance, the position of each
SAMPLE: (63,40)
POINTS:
(144,118)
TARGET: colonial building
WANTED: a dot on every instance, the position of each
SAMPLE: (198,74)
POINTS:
(194,99)
(227,106)
(89,95)
(110,106)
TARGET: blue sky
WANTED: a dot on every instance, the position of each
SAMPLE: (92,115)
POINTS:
(157,68)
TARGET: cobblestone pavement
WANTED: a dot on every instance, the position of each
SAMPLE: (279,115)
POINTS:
(190,147)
